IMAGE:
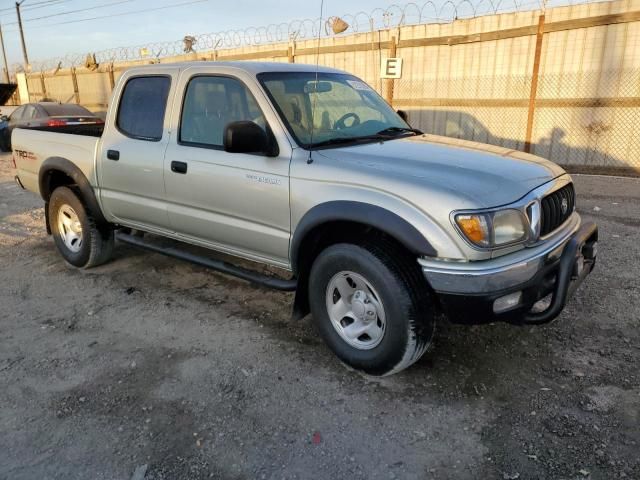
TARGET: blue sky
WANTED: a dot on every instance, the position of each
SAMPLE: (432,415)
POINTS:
(45,39)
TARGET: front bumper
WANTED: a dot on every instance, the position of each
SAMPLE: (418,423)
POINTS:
(468,291)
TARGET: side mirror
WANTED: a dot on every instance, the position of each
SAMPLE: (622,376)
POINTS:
(4,118)
(246,137)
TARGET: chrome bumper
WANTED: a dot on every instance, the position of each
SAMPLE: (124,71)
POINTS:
(500,273)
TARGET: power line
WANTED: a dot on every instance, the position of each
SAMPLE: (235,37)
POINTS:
(68,12)
(48,4)
(36,6)
(132,12)
(39,3)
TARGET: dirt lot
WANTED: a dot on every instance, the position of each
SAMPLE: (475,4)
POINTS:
(151,363)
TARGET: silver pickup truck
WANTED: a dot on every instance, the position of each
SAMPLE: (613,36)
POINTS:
(382,228)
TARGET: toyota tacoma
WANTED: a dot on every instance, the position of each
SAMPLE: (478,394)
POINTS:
(383,229)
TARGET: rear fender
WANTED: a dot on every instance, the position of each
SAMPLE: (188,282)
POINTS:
(47,184)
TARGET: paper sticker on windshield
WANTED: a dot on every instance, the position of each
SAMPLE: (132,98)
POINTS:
(359,85)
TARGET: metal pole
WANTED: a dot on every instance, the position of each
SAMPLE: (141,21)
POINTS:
(4,56)
(24,46)
(393,44)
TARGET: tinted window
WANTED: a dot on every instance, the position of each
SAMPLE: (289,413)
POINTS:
(30,112)
(142,107)
(66,109)
(211,103)
(17,115)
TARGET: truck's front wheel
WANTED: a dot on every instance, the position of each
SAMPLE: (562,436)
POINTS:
(79,240)
(370,307)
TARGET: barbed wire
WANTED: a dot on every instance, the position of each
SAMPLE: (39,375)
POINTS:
(413,13)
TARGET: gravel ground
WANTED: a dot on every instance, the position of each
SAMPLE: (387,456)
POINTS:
(149,367)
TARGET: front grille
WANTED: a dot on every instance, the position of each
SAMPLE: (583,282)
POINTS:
(552,214)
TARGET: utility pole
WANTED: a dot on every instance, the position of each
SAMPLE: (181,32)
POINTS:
(4,56)
(24,46)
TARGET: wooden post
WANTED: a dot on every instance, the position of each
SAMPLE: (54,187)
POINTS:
(74,78)
(112,78)
(4,56)
(43,85)
(390,81)
(534,84)
(290,54)
(27,67)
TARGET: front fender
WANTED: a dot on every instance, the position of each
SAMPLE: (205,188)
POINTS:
(364,213)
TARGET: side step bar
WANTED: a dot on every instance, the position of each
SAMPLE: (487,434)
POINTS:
(220,266)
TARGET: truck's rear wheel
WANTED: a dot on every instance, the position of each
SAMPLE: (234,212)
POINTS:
(371,307)
(79,240)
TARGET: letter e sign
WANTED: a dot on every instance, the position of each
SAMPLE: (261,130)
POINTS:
(391,68)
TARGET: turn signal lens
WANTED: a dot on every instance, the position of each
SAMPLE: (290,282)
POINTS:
(493,229)
(475,228)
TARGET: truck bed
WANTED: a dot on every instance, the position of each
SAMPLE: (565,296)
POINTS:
(76,143)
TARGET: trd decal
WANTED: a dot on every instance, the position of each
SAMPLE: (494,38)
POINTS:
(25,155)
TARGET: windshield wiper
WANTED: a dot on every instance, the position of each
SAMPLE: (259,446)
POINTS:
(392,130)
(382,135)
(345,140)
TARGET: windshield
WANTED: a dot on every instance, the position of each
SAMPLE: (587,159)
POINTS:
(337,108)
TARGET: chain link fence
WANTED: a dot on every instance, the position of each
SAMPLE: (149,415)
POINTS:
(585,121)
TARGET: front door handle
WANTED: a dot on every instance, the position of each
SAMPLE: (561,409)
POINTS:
(179,167)
(113,155)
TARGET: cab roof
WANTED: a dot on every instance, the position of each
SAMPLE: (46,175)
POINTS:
(253,68)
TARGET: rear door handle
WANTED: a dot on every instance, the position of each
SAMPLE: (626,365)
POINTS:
(113,155)
(179,167)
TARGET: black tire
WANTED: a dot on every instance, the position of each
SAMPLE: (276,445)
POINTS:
(97,243)
(409,309)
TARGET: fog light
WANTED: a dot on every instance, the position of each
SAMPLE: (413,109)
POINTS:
(507,302)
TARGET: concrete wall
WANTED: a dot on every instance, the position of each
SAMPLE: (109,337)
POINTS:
(472,79)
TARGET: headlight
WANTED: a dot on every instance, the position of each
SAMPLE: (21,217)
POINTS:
(493,229)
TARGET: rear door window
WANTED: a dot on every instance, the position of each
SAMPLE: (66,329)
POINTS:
(142,107)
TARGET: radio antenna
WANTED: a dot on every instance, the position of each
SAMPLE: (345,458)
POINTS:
(315,98)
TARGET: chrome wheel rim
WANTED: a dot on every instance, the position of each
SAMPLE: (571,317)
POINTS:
(355,310)
(70,228)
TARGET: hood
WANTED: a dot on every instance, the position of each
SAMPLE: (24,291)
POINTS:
(489,175)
